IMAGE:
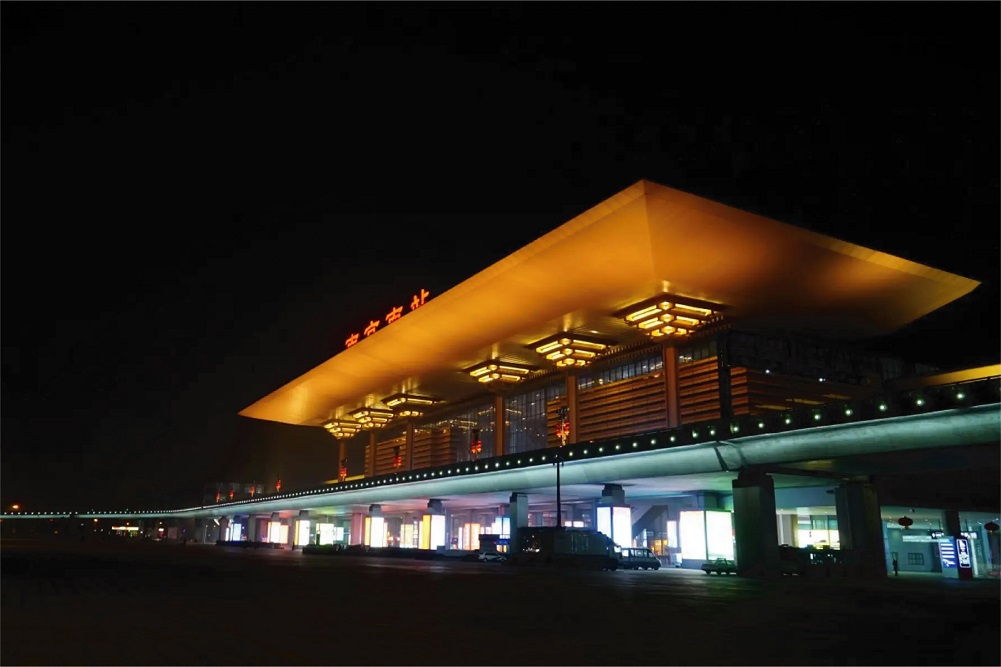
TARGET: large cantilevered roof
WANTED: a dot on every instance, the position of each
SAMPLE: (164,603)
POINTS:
(648,240)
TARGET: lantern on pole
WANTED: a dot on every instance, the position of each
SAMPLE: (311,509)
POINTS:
(278,486)
(342,473)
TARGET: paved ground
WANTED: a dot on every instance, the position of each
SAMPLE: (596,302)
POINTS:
(167,604)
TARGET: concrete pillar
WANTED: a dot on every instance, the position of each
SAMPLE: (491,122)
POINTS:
(757,548)
(671,386)
(438,539)
(613,494)
(707,500)
(723,370)
(518,511)
(860,527)
(224,526)
(303,516)
(357,535)
(370,458)
(408,462)
(376,527)
(252,530)
(500,420)
(621,532)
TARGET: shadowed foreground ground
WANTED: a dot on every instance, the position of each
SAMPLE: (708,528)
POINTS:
(110,603)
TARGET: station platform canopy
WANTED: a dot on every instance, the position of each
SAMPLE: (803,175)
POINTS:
(647,243)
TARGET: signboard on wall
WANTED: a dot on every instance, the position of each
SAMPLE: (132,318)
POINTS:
(947,552)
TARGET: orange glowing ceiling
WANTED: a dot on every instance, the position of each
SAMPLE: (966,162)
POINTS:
(645,241)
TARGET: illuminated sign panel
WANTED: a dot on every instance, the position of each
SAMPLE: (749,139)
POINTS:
(395,313)
(963,553)
(947,552)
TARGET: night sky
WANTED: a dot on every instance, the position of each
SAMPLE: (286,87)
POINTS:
(200,201)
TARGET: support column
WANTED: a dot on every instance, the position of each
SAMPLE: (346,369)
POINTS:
(707,500)
(500,420)
(377,526)
(671,385)
(518,511)
(408,463)
(357,535)
(860,527)
(252,531)
(224,527)
(370,458)
(757,548)
(342,455)
(295,541)
(723,370)
(438,537)
(573,417)
(613,516)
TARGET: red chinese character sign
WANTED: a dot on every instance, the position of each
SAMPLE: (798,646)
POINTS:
(475,444)
(563,427)
(395,313)
(342,473)
(563,432)
(397,458)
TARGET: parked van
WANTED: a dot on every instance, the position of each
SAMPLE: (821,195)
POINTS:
(562,546)
(638,558)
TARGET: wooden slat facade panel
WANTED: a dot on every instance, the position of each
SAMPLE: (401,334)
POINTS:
(698,391)
(622,408)
(422,448)
(384,454)
(753,392)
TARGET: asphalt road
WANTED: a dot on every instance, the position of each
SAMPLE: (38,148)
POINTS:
(101,603)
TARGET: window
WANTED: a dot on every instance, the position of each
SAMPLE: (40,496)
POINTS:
(915,559)
(526,418)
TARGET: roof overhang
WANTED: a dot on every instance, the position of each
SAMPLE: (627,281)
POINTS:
(645,241)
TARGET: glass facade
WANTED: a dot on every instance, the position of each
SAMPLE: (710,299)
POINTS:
(466,422)
(636,367)
(526,418)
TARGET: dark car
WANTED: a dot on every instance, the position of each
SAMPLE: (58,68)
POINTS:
(720,566)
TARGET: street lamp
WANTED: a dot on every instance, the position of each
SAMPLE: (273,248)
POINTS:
(563,431)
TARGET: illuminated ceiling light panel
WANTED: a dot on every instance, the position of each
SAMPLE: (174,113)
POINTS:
(342,428)
(409,399)
(408,405)
(500,371)
(371,418)
(660,317)
(570,350)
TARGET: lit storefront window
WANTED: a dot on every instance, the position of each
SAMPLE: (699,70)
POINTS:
(706,534)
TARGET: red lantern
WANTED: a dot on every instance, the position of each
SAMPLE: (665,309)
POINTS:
(905,521)
(278,486)
(218,496)
(231,494)
(990,526)
(342,473)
